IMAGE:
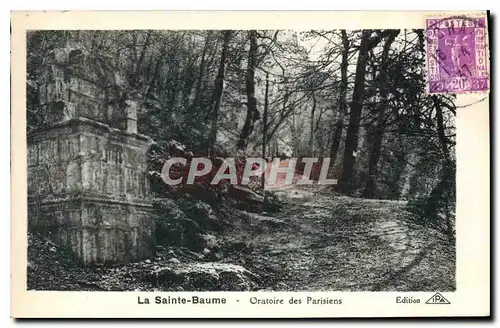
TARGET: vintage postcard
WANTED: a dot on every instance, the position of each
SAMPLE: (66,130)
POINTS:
(250,164)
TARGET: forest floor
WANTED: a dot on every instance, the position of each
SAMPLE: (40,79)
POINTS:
(326,242)
(319,242)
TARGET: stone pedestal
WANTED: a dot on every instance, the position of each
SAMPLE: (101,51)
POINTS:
(87,168)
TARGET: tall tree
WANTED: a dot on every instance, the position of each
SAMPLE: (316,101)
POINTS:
(339,124)
(367,43)
(218,90)
(376,134)
(437,199)
(140,61)
(312,130)
(252,114)
(197,103)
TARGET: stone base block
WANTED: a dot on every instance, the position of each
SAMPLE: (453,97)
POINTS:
(97,231)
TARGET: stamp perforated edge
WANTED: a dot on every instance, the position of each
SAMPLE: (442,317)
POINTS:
(470,15)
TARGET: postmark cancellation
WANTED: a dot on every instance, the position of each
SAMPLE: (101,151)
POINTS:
(457,54)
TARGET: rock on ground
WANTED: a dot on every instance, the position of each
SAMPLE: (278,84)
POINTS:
(204,277)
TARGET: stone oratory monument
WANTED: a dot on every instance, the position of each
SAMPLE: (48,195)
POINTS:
(87,165)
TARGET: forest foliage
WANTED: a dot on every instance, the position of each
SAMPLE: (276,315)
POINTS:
(356,96)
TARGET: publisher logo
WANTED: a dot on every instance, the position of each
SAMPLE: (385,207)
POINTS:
(437,299)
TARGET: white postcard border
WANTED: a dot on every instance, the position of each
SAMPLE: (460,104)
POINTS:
(472,297)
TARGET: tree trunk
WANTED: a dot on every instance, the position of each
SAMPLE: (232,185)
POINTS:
(377,131)
(351,141)
(264,131)
(137,74)
(436,198)
(339,124)
(311,137)
(159,62)
(252,112)
(218,90)
(197,97)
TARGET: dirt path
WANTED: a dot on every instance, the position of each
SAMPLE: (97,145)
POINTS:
(321,242)
(325,242)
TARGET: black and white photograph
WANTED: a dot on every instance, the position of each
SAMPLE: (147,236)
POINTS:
(113,115)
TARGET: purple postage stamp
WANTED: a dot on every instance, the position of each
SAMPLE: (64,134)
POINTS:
(457,54)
